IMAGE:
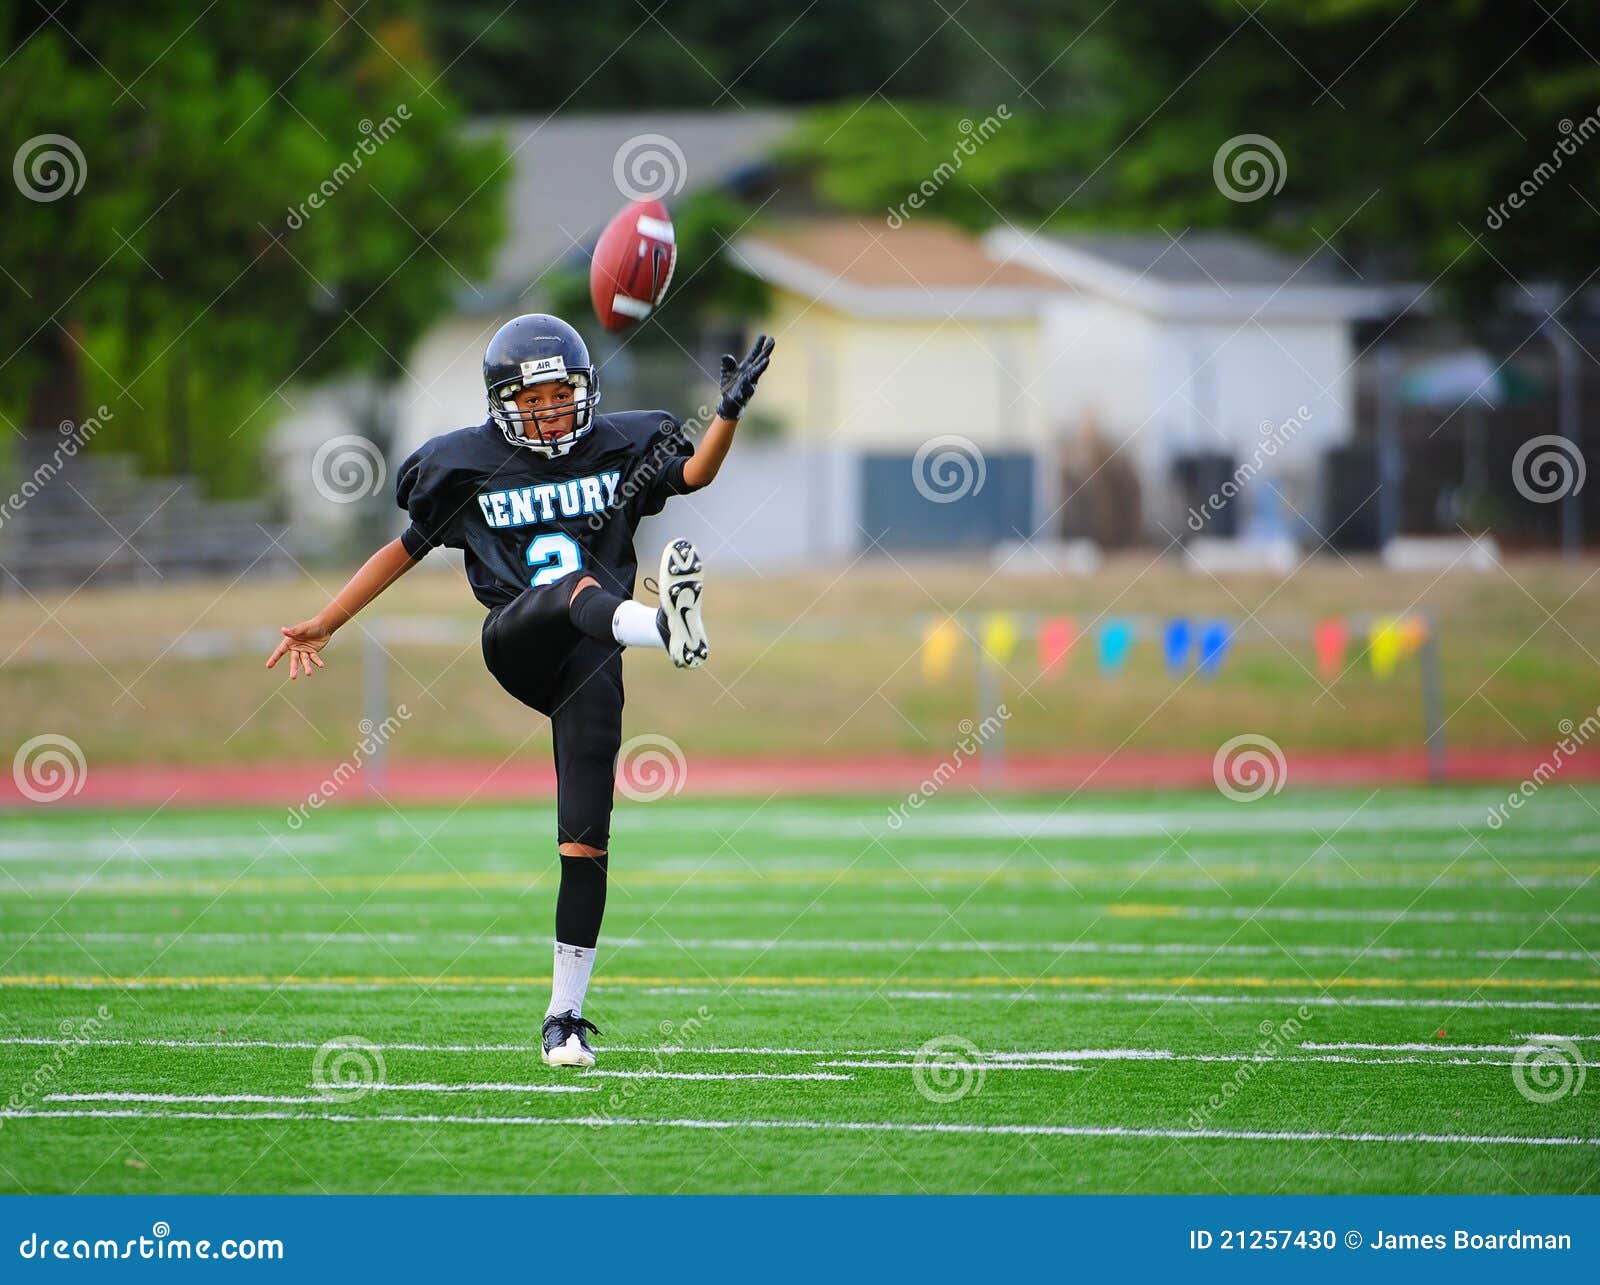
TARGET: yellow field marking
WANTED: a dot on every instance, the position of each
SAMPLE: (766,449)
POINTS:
(1296,983)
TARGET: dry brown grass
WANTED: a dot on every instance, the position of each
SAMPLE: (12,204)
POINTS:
(821,663)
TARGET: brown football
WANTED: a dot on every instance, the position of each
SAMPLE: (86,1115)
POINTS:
(632,265)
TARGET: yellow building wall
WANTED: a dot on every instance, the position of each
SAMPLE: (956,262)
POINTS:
(846,382)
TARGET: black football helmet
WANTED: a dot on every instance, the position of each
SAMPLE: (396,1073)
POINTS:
(535,349)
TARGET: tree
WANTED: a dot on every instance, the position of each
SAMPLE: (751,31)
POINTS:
(1404,131)
(207,210)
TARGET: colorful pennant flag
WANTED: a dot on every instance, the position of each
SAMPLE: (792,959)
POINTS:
(1055,639)
(1413,633)
(1383,646)
(1214,640)
(1330,638)
(999,635)
(1176,641)
(1116,641)
(940,641)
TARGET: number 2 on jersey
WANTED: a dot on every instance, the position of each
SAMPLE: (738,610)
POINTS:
(553,556)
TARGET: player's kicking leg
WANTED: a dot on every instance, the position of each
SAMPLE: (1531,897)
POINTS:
(675,625)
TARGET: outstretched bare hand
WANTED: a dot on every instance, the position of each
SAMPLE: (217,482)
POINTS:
(302,642)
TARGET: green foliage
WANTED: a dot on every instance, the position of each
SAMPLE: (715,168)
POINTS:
(620,55)
(272,195)
(1400,127)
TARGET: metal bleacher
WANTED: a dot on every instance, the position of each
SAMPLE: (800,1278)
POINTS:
(97,522)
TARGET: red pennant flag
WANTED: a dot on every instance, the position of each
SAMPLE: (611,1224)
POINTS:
(1331,638)
(1056,636)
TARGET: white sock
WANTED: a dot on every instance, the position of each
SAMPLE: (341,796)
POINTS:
(573,964)
(634,625)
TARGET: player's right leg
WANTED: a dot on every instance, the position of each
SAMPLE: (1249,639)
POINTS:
(674,625)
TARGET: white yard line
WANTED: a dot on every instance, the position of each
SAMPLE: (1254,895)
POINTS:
(1530,1042)
(1422,1003)
(872,1058)
(322,1099)
(712,1075)
(1330,915)
(830,1126)
(939,1065)
(712,1050)
(1016,823)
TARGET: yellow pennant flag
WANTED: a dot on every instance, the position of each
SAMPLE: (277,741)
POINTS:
(1383,644)
(999,636)
(939,642)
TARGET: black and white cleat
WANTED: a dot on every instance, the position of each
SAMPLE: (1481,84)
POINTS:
(564,1042)
(679,616)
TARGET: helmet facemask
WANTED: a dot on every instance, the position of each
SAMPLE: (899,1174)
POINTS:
(525,428)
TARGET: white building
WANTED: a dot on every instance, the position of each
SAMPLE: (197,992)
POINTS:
(1202,343)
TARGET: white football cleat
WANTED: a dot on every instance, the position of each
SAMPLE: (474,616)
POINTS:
(563,1040)
(679,616)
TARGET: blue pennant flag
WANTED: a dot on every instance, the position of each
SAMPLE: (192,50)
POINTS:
(1116,640)
(1176,644)
(1214,639)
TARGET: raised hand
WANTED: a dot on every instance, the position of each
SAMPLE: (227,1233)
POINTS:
(738,381)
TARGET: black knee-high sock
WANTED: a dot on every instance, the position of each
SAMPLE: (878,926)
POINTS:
(581,900)
(592,611)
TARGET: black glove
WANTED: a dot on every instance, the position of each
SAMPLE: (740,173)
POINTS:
(739,378)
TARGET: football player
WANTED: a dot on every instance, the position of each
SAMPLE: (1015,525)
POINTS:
(543,498)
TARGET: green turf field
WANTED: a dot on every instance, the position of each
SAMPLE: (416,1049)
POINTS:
(1314,992)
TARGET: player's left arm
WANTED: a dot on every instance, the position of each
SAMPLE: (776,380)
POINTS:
(738,386)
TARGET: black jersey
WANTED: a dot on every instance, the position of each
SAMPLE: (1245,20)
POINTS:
(524,519)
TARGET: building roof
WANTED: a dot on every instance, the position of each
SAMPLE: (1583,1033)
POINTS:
(920,269)
(1195,274)
(1196,258)
(568,173)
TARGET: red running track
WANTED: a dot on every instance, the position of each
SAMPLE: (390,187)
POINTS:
(456,781)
